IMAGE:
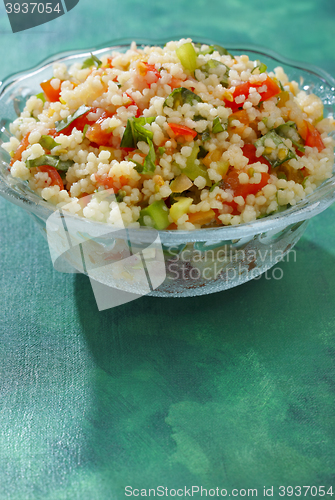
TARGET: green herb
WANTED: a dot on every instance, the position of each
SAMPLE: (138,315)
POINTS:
(277,155)
(212,48)
(120,195)
(289,130)
(217,126)
(298,146)
(197,118)
(202,152)
(135,132)
(181,96)
(304,182)
(41,96)
(210,67)
(62,124)
(161,151)
(260,66)
(150,160)
(214,186)
(52,161)
(62,174)
(206,135)
(91,61)
(149,164)
(48,142)
(86,127)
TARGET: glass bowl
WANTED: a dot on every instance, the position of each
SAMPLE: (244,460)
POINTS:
(195,262)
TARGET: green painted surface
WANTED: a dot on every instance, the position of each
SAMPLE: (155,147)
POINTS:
(232,390)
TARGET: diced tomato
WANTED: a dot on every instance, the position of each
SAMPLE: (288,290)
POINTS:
(84,199)
(272,89)
(313,137)
(81,122)
(249,151)
(52,132)
(22,147)
(50,93)
(111,183)
(132,103)
(56,179)
(182,130)
(98,135)
(152,68)
(232,182)
(217,214)
(175,83)
(144,68)
(126,150)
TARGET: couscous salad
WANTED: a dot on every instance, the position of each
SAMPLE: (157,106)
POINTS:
(186,135)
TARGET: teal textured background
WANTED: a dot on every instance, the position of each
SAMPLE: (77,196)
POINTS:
(231,390)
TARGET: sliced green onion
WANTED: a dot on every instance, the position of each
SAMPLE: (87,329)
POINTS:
(187,56)
(193,169)
(155,215)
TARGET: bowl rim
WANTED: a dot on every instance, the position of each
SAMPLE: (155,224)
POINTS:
(126,41)
(310,206)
